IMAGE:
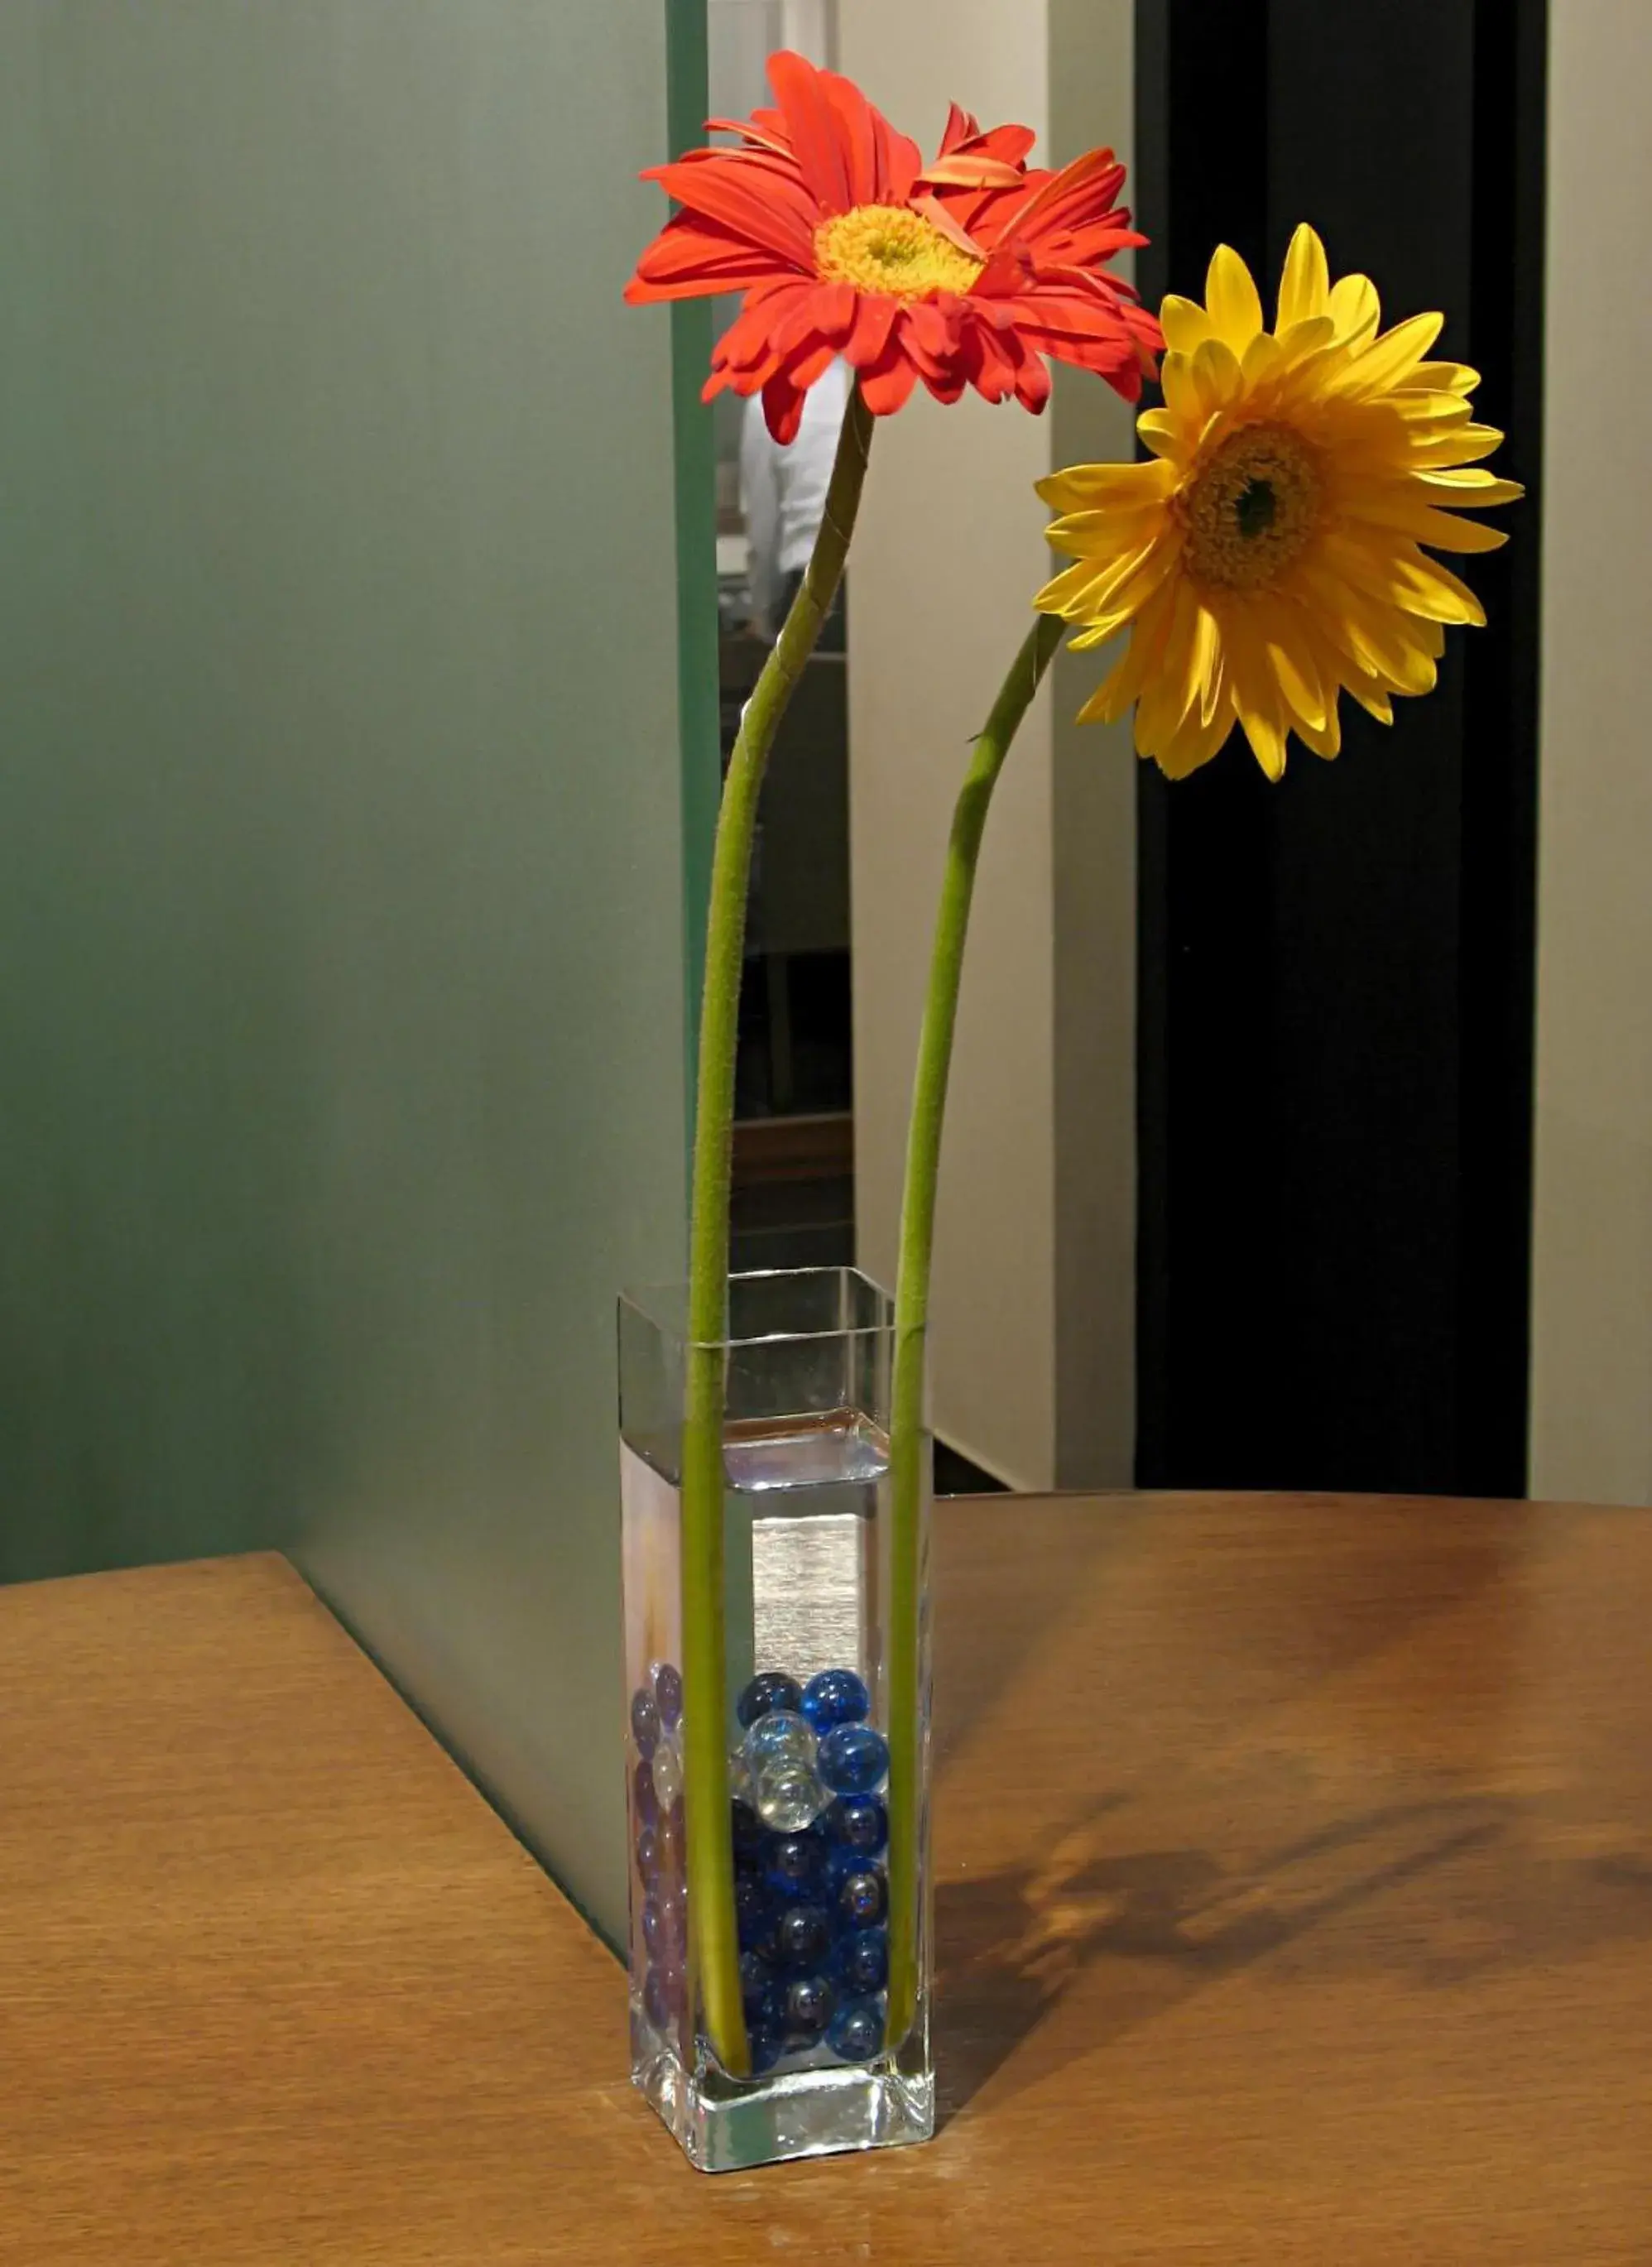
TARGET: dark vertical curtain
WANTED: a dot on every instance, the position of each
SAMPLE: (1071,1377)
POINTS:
(1337,972)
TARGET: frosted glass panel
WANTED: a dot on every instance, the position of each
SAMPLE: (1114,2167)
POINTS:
(341,925)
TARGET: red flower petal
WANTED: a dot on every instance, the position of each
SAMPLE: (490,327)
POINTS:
(691,257)
(725,192)
(874,320)
(887,383)
(899,162)
(960,128)
(857,135)
(1084,189)
(750,219)
(782,409)
(816,129)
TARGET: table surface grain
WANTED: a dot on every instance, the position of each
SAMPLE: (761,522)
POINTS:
(1294,1863)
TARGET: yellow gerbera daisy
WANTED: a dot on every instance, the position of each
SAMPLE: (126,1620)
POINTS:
(1268,555)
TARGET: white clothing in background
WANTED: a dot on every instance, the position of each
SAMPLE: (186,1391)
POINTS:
(783,491)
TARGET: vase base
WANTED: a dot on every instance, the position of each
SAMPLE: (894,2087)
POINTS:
(724,2125)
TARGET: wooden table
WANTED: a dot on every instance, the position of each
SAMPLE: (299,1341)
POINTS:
(1295,1904)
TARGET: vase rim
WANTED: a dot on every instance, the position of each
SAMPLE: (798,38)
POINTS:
(865,1308)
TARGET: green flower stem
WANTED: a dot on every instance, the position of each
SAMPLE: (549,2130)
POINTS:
(907,1734)
(711,1867)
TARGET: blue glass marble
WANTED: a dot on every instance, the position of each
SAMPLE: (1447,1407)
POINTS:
(667,1769)
(856,2030)
(644,1801)
(754,1912)
(840,1863)
(653,1928)
(861,1963)
(836,1696)
(863,1899)
(647,1856)
(853,1759)
(767,2046)
(795,1866)
(745,1830)
(860,1822)
(671,1899)
(803,1936)
(671,1839)
(668,1694)
(809,2003)
(769,1689)
(663,1996)
(761,1993)
(644,1720)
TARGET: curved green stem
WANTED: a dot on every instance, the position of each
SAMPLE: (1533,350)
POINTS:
(710,1856)
(907,1730)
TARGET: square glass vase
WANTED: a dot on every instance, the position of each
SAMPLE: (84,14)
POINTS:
(820,1678)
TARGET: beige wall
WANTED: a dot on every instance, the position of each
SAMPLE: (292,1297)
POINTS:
(1032,1335)
(1591,1401)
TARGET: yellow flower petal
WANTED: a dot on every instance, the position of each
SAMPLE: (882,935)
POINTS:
(1387,360)
(1461,445)
(1217,376)
(1194,744)
(1184,324)
(1355,308)
(1097,488)
(1236,309)
(1442,377)
(1324,739)
(1305,288)
(1269,557)
(1471,487)
(1163,432)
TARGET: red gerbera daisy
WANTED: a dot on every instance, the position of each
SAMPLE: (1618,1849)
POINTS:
(962,273)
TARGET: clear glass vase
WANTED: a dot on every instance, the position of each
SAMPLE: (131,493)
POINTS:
(813,1606)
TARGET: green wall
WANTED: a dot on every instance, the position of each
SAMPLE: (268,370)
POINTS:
(341,961)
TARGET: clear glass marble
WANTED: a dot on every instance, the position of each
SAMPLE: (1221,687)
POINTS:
(807,1366)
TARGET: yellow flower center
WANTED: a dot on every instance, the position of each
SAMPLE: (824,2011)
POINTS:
(886,248)
(1253,509)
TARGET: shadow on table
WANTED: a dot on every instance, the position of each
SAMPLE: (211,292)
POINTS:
(1142,1931)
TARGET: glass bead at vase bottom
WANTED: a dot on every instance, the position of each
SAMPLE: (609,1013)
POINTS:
(644,1801)
(836,1696)
(856,2030)
(782,1738)
(669,1840)
(863,1899)
(802,1937)
(668,1768)
(767,1690)
(668,1694)
(809,2003)
(788,1798)
(645,1724)
(663,1992)
(754,1912)
(794,1866)
(648,1862)
(861,1962)
(767,2043)
(745,1829)
(759,1990)
(664,1923)
(859,1823)
(853,1759)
